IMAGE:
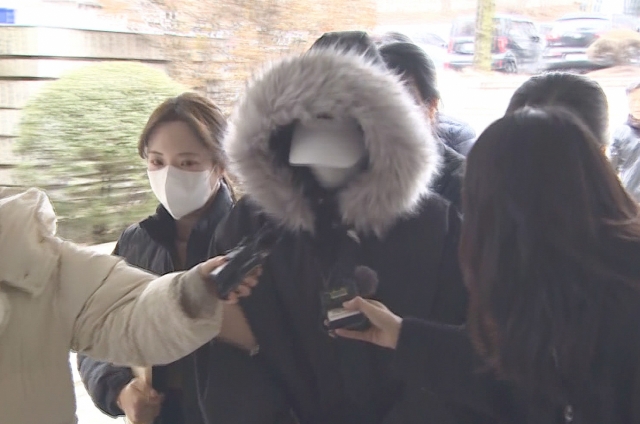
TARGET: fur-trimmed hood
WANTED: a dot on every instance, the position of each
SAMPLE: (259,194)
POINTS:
(402,151)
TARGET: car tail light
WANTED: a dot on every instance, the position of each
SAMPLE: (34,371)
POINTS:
(450,49)
(552,37)
(502,44)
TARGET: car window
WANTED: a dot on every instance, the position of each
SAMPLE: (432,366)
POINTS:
(531,29)
(522,29)
(581,25)
(429,38)
(467,28)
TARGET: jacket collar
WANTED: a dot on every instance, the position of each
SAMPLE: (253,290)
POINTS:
(161,226)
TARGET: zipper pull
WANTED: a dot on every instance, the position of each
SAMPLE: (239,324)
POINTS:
(254,351)
(568,414)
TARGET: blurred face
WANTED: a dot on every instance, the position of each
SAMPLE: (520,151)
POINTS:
(634,103)
(181,170)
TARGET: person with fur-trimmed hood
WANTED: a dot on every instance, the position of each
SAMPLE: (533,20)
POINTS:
(369,208)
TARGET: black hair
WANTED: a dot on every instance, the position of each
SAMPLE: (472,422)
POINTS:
(548,237)
(393,37)
(350,41)
(581,95)
(411,62)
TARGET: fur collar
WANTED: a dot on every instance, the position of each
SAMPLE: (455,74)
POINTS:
(403,154)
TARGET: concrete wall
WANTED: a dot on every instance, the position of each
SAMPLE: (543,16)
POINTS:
(17,41)
(32,56)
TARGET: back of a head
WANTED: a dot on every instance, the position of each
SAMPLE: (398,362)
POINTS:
(392,37)
(540,202)
(579,94)
(411,62)
(357,42)
(535,157)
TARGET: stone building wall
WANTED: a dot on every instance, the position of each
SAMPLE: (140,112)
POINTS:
(210,46)
(217,44)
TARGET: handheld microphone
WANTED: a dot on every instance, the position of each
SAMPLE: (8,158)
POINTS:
(246,257)
(366,281)
(363,282)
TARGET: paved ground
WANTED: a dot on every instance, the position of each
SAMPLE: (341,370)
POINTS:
(86,411)
(479,99)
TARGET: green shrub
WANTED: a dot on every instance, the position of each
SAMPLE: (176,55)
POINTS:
(78,139)
(616,48)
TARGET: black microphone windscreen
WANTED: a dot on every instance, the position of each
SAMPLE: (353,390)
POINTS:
(366,280)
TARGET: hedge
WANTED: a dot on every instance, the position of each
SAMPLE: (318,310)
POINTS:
(78,140)
(616,48)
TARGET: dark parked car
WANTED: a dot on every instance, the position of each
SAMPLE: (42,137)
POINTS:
(516,44)
(570,37)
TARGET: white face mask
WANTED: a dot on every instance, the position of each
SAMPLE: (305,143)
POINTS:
(181,192)
(333,178)
(332,149)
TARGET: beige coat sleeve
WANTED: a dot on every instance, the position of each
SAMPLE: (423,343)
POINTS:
(130,317)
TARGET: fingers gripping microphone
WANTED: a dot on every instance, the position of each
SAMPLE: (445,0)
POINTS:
(363,282)
(245,258)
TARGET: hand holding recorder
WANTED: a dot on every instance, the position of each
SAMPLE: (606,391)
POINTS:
(385,325)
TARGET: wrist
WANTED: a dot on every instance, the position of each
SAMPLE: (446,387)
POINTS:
(397,328)
(116,386)
(197,294)
(119,402)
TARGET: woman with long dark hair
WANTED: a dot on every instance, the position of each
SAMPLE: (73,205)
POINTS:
(550,251)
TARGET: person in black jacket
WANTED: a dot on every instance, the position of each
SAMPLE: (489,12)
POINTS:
(417,70)
(404,56)
(550,250)
(458,134)
(383,216)
(625,149)
(186,168)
